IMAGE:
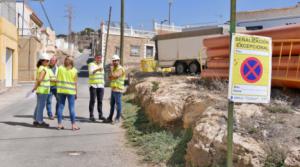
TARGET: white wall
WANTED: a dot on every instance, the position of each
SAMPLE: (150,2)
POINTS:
(19,21)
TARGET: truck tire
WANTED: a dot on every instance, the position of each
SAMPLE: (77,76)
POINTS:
(180,68)
(194,68)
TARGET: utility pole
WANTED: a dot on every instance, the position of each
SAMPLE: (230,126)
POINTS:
(170,7)
(70,19)
(23,17)
(230,103)
(122,33)
(107,35)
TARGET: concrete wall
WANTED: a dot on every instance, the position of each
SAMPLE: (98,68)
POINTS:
(28,51)
(8,39)
(129,61)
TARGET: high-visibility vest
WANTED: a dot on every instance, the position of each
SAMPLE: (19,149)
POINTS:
(66,80)
(98,77)
(52,76)
(119,82)
(44,87)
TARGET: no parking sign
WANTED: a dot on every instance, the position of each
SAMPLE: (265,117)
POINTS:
(250,69)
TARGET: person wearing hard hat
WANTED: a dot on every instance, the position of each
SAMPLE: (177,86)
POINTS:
(42,88)
(53,69)
(67,89)
(96,86)
(117,78)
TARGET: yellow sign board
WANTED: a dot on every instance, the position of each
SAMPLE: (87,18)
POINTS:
(250,69)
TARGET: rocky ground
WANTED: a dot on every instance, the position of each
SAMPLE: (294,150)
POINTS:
(264,135)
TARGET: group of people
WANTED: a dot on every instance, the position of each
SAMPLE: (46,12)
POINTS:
(61,82)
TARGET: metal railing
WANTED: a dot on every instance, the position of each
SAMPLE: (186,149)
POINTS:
(130,32)
(286,59)
(166,27)
(30,32)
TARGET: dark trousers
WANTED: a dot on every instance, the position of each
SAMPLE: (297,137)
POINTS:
(96,92)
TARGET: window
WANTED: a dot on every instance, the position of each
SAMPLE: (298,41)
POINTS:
(117,50)
(149,51)
(134,50)
(254,27)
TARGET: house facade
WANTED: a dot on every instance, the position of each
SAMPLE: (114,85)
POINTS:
(8,45)
(137,45)
(30,41)
(260,19)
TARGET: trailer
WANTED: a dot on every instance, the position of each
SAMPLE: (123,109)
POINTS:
(185,50)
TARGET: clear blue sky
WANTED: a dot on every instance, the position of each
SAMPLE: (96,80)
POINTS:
(140,13)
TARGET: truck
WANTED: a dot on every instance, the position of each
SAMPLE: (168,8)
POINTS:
(184,50)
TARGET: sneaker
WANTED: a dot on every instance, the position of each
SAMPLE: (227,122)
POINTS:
(92,119)
(51,118)
(117,121)
(35,123)
(102,118)
(43,125)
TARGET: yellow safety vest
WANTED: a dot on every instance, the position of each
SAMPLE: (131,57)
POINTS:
(119,82)
(44,87)
(66,80)
(52,77)
(98,77)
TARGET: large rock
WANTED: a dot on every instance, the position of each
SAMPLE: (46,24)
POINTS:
(167,102)
(293,158)
(208,145)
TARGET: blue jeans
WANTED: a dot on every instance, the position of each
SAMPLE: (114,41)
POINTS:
(61,105)
(115,100)
(53,91)
(39,109)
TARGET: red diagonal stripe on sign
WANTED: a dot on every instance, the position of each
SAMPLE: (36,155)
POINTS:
(252,69)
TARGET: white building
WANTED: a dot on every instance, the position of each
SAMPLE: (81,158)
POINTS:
(260,19)
(27,22)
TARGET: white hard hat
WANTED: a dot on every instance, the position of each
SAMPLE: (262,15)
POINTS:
(44,56)
(115,57)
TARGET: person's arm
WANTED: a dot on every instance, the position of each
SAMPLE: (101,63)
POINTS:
(75,79)
(39,80)
(117,74)
(98,69)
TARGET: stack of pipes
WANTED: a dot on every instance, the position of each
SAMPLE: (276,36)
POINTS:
(285,55)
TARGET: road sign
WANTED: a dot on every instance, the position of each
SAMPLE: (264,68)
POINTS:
(250,69)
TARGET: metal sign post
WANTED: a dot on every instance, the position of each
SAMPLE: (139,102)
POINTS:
(230,103)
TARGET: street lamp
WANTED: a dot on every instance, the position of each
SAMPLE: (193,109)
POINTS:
(170,6)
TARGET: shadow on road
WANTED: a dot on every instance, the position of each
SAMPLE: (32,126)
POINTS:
(22,124)
(78,119)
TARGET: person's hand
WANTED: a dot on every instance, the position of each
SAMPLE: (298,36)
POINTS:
(76,97)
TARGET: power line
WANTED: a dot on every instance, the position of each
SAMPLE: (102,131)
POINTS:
(45,12)
(42,5)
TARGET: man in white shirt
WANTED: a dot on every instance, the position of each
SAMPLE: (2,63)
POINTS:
(96,83)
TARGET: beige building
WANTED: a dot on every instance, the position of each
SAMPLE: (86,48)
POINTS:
(137,45)
(8,45)
(261,19)
(29,28)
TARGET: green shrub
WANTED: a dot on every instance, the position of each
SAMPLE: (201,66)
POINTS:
(156,144)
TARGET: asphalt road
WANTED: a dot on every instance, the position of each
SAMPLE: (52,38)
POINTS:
(94,145)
